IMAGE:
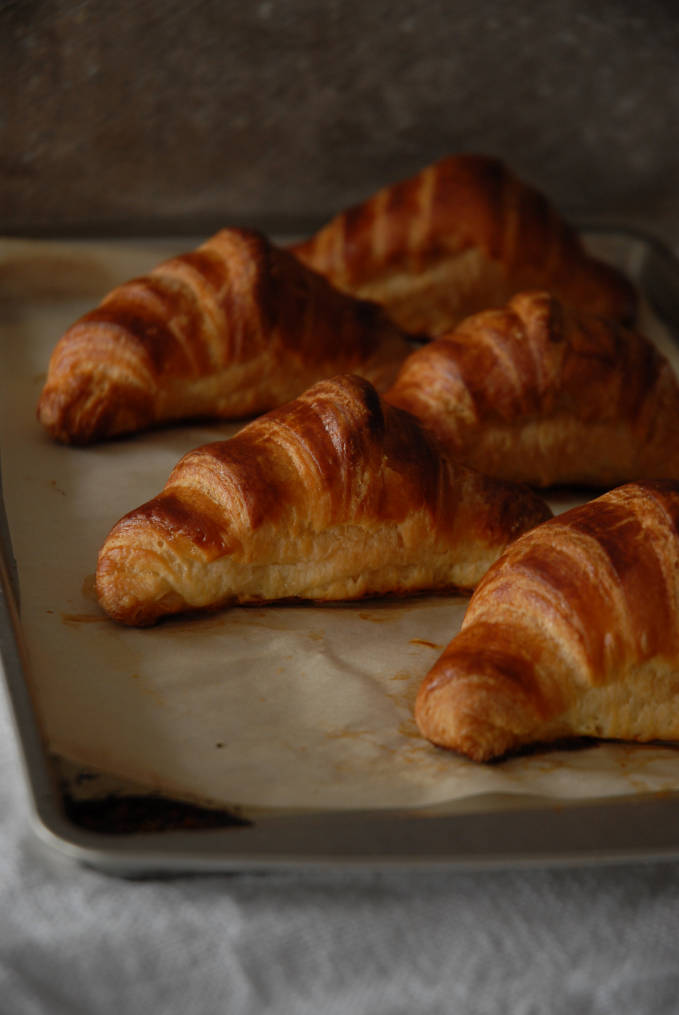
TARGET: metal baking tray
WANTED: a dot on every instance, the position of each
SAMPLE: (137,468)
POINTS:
(133,835)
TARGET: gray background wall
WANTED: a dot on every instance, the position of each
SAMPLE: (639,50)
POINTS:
(138,115)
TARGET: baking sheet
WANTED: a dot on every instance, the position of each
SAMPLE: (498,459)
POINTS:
(268,711)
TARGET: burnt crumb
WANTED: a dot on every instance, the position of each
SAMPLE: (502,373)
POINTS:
(127,815)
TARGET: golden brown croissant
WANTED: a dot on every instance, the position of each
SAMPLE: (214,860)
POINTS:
(334,496)
(231,329)
(574,631)
(461,236)
(535,393)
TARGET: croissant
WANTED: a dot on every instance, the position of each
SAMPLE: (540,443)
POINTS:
(539,394)
(461,236)
(574,631)
(229,330)
(334,496)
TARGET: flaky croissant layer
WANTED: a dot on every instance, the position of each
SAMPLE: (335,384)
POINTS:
(462,235)
(574,631)
(233,328)
(536,393)
(334,496)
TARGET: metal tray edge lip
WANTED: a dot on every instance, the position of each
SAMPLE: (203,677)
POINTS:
(209,852)
(35,770)
(149,854)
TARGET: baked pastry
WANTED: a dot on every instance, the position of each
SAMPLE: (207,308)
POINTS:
(229,330)
(536,393)
(461,236)
(335,496)
(574,631)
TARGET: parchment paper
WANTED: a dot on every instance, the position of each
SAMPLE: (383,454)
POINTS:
(300,707)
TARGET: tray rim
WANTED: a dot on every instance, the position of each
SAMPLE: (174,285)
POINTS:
(471,837)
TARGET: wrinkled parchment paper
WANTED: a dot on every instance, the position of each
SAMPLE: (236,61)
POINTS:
(300,707)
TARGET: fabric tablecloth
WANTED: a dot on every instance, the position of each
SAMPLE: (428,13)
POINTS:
(600,939)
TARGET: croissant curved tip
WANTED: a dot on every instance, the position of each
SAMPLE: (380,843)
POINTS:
(450,723)
(132,595)
(477,699)
(81,411)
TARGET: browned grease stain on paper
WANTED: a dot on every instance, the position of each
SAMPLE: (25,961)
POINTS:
(89,593)
(224,617)
(386,613)
(403,690)
(150,692)
(83,618)
(428,644)
(408,728)
(347,734)
(410,748)
(402,693)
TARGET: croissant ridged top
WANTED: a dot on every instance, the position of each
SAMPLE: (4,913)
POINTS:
(334,496)
(233,328)
(574,631)
(537,393)
(460,236)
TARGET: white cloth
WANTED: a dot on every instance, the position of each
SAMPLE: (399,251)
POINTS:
(517,942)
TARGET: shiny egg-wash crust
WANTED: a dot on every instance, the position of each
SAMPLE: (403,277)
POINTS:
(335,496)
(537,393)
(461,236)
(226,331)
(573,632)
